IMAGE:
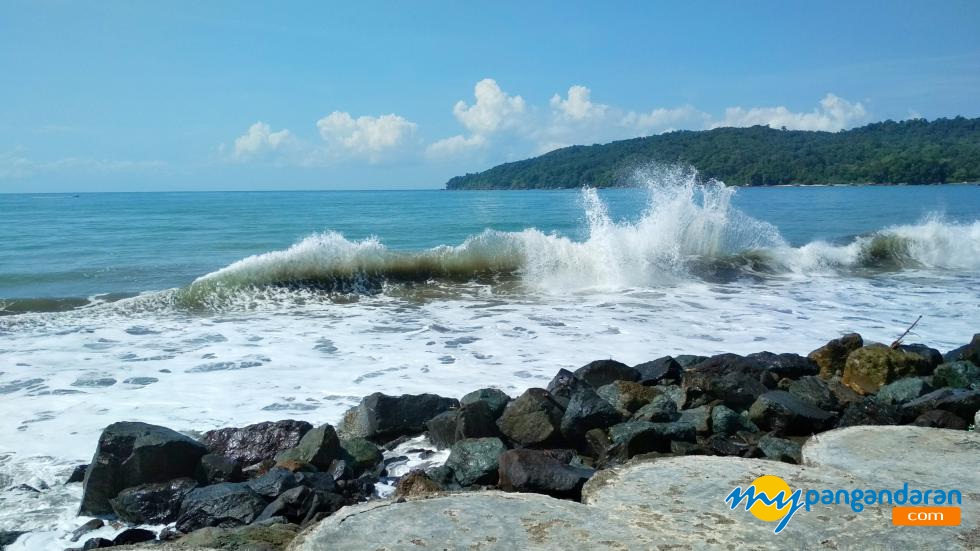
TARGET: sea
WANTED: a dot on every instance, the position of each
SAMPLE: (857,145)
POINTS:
(205,310)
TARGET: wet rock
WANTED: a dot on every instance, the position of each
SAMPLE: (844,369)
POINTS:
(476,420)
(222,505)
(940,419)
(597,444)
(362,455)
(564,384)
(627,396)
(602,372)
(97,543)
(586,410)
(77,474)
(300,504)
(130,454)
(77,533)
(133,535)
(274,482)
(157,503)
(416,483)
(960,401)
(687,361)
(726,421)
(636,437)
(792,366)
(784,413)
(443,476)
(699,418)
(215,469)
(658,371)
(254,443)
(533,419)
(381,418)
(270,535)
(729,378)
(904,390)
(676,393)
(497,400)
(781,449)
(933,356)
(318,447)
(969,352)
(8,537)
(961,374)
(869,368)
(814,391)
(442,429)
(727,445)
(540,472)
(869,411)
(475,460)
(661,410)
(831,357)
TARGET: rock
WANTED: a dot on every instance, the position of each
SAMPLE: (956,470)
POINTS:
(730,378)
(969,352)
(254,471)
(223,505)
(726,421)
(533,419)
(497,400)
(476,420)
(130,454)
(271,535)
(961,374)
(443,476)
(940,419)
(541,472)
(475,460)
(295,466)
(215,469)
(8,537)
(97,543)
(77,533)
(661,410)
(637,437)
(586,410)
(300,503)
(687,360)
(380,417)
(274,482)
(133,535)
(962,402)
(699,418)
(659,370)
(318,447)
(933,356)
(564,384)
(627,396)
(780,449)
(597,443)
(831,357)
(415,484)
(254,443)
(844,395)
(677,431)
(869,368)
(903,390)
(976,420)
(869,411)
(77,474)
(792,366)
(676,393)
(362,455)
(814,391)
(602,372)
(784,413)
(157,503)
(442,429)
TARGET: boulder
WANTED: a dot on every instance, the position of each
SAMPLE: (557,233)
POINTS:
(661,410)
(688,360)
(415,484)
(960,374)
(843,393)
(475,460)
(675,393)
(541,472)
(586,410)
(969,352)
(130,454)
(602,372)
(699,418)
(904,390)
(215,469)
(627,396)
(77,474)
(960,401)
(658,371)
(784,413)
(792,366)
(77,533)
(381,418)
(157,503)
(564,384)
(299,504)
(476,420)
(318,447)
(533,419)
(869,368)
(814,391)
(274,482)
(781,449)
(940,419)
(730,378)
(97,543)
(362,455)
(270,535)
(254,443)
(830,358)
(637,437)
(222,505)
(677,431)
(8,537)
(726,421)
(933,356)
(132,536)
(869,411)
(442,429)
(497,400)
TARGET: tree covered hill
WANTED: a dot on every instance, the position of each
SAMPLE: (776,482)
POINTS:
(913,151)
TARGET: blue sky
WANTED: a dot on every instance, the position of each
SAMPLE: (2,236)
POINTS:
(140,96)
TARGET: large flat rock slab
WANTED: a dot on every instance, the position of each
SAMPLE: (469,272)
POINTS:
(679,503)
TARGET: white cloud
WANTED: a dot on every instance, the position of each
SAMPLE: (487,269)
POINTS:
(365,135)
(833,113)
(259,140)
(493,110)
(15,165)
(665,119)
(578,105)
(455,145)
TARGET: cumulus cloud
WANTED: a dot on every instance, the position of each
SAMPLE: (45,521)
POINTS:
(578,105)
(259,140)
(365,135)
(455,145)
(493,109)
(665,119)
(834,113)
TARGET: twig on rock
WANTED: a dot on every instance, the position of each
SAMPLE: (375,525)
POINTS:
(898,341)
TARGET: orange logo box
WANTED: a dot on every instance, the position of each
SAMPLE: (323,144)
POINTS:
(926,516)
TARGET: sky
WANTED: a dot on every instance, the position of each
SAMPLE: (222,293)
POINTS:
(219,95)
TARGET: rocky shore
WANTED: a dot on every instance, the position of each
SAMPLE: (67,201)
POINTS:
(256,487)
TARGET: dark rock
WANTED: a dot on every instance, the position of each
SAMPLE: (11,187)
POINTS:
(659,370)
(540,472)
(417,483)
(677,431)
(637,437)
(254,471)
(474,460)
(476,420)
(294,466)
(792,366)
(318,447)
(597,443)
(844,395)
(271,535)
(730,378)
(940,419)
(678,447)
(223,505)
(320,482)
(961,374)
(77,474)
(661,410)
(130,454)
(723,445)
(533,419)
(586,410)
(300,504)
(362,455)
(676,393)
(869,368)
(157,503)
(831,357)
(699,418)
(814,391)
(784,413)
(380,418)
(687,360)
(443,476)
(274,482)
(962,402)
(627,396)
(339,469)
(77,533)
(869,411)
(442,429)
(969,352)
(215,469)
(497,400)
(564,384)
(133,535)
(8,537)
(904,390)
(254,443)
(97,543)
(933,356)
(781,449)
(602,372)
(726,421)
